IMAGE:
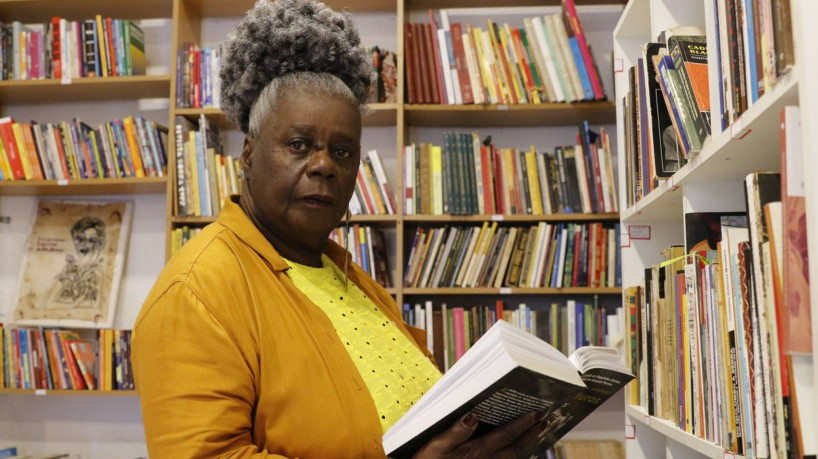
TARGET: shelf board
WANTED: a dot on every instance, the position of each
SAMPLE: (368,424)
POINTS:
(78,393)
(514,291)
(382,115)
(751,144)
(146,185)
(52,90)
(373,219)
(436,4)
(510,218)
(669,430)
(28,11)
(221,8)
(513,115)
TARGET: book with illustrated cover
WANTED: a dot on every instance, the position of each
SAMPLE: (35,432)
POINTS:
(508,373)
(73,263)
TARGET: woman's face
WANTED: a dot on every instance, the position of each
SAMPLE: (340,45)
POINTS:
(301,170)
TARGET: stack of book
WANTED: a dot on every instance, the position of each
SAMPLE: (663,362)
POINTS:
(720,332)
(131,147)
(546,60)
(542,255)
(99,47)
(367,245)
(467,176)
(205,176)
(452,330)
(373,194)
(38,358)
(198,83)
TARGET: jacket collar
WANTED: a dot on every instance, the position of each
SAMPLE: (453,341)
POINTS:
(233,218)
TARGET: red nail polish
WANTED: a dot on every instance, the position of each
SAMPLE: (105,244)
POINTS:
(470,420)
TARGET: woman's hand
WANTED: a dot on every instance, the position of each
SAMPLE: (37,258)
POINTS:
(503,442)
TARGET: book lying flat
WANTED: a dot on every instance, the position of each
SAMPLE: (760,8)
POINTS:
(505,374)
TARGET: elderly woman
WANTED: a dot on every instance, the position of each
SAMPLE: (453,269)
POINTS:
(259,339)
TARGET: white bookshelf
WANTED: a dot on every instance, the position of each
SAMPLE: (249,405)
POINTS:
(712,180)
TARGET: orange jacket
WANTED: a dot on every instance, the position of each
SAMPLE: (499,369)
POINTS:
(231,360)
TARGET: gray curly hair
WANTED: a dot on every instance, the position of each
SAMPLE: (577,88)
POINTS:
(287,40)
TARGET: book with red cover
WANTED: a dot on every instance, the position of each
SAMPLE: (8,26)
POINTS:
(428,64)
(13,155)
(438,68)
(86,361)
(461,63)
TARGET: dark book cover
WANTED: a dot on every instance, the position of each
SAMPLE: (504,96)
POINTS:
(522,391)
(667,155)
(410,62)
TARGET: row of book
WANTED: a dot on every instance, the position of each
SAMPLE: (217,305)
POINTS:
(720,332)
(754,49)
(180,236)
(373,194)
(452,330)
(131,147)
(367,245)
(469,176)
(198,83)
(205,176)
(546,60)
(667,109)
(47,358)
(63,49)
(543,255)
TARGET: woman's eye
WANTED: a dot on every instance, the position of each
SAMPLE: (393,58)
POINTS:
(298,145)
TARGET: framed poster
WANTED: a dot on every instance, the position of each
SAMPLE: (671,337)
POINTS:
(72,265)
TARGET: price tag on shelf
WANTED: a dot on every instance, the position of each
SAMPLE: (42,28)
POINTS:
(497,217)
(630,432)
(728,455)
(626,240)
(66,79)
(502,107)
(62,182)
(40,392)
(505,290)
(639,232)
(647,420)
(619,65)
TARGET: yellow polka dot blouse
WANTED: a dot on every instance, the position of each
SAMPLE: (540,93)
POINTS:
(394,370)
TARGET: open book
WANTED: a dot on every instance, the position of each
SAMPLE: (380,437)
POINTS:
(506,374)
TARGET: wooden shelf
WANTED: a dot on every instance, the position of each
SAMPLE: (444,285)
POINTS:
(76,393)
(148,185)
(435,4)
(510,218)
(382,115)
(221,8)
(519,115)
(672,432)
(514,291)
(371,219)
(53,91)
(28,11)
(729,156)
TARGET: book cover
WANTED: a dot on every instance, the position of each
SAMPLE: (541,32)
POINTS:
(495,382)
(73,264)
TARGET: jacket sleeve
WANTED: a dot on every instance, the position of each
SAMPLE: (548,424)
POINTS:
(195,384)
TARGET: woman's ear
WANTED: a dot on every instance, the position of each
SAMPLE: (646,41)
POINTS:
(246,153)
